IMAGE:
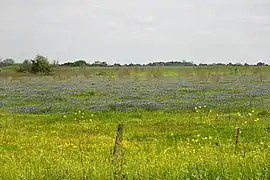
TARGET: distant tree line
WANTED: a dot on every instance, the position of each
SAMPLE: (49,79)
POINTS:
(231,64)
(82,63)
(6,62)
(42,64)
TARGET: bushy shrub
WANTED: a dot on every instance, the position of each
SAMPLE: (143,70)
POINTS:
(39,64)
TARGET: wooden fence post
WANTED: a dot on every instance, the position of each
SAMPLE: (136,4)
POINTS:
(236,134)
(118,141)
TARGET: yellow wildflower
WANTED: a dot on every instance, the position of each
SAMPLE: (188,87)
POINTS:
(257,119)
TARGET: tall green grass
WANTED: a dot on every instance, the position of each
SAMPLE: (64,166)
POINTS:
(156,145)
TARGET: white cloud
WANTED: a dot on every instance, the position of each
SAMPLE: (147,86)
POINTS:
(144,19)
(113,25)
(209,30)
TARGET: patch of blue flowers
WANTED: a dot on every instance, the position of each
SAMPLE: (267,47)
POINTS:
(126,94)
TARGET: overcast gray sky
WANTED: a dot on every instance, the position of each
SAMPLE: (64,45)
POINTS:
(136,31)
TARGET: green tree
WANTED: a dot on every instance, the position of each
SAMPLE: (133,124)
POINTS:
(40,64)
(7,62)
(80,63)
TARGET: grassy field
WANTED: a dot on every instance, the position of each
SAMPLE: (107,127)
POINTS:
(179,123)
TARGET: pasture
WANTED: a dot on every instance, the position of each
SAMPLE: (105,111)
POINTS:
(179,123)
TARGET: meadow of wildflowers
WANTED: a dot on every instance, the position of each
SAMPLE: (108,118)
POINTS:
(137,91)
(179,124)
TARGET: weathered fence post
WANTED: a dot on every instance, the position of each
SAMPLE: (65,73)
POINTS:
(236,134)
(117,153)
(118,141)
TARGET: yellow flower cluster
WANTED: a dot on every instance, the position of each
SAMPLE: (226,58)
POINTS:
(199,107)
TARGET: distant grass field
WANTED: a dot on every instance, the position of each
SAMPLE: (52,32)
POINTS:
(179,123)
